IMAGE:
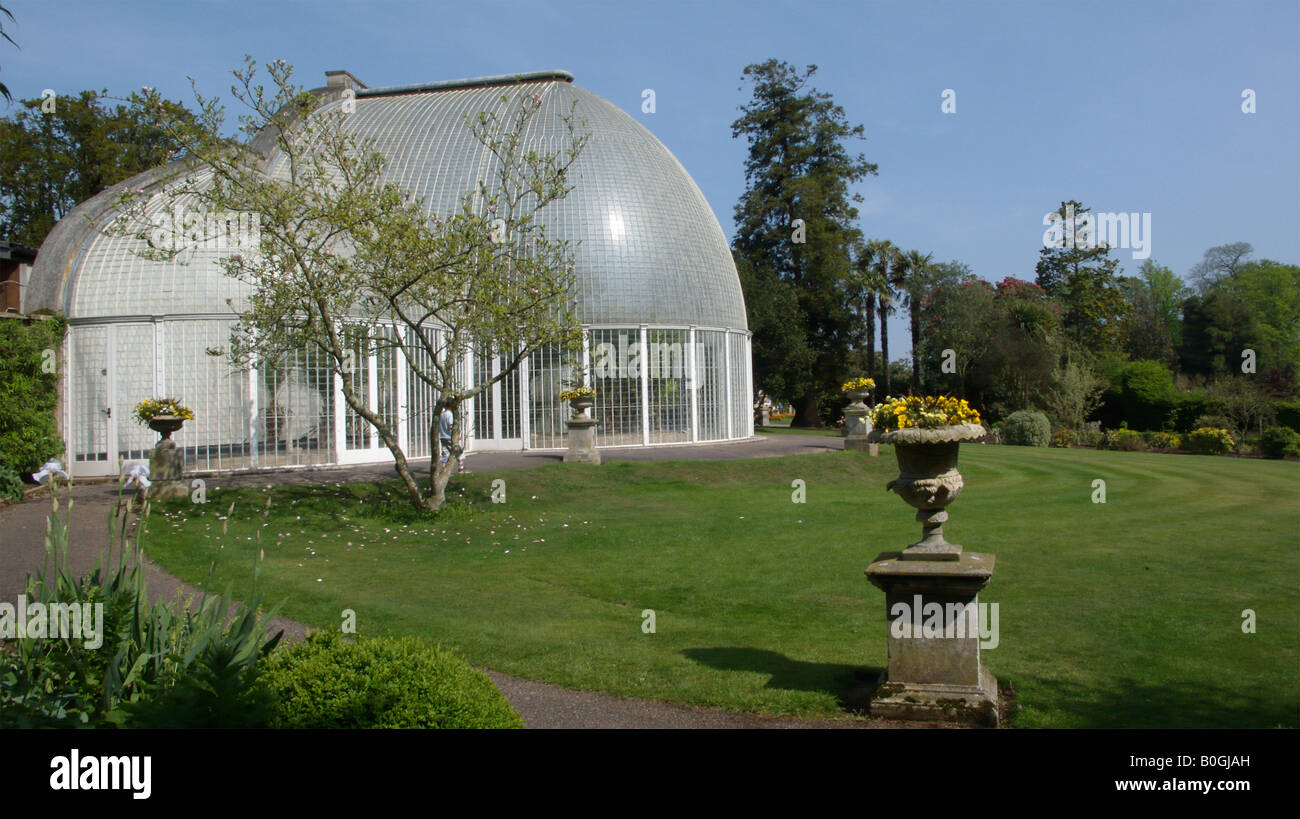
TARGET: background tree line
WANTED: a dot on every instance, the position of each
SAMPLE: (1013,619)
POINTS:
(1080,341)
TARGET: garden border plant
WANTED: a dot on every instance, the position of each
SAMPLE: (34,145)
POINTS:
(159,666)
(1279,442)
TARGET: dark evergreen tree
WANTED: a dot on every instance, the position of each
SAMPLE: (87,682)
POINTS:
(1082,277)
(796,274)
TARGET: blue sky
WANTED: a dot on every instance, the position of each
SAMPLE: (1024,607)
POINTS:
(1126,106)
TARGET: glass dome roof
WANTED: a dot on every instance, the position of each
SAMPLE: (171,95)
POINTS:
(649,250)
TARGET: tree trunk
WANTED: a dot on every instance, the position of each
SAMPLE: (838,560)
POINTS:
(871,336)
(418,498)
(440,473)
(915,311)
(884,347)
(805,412)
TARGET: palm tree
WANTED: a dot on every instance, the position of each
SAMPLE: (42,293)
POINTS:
(866,284)
(914,276)
(4,91)
(886,265)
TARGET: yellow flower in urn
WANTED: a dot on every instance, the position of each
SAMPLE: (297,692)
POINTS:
(923,411)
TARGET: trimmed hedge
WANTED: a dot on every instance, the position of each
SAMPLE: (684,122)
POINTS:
(29,435)
(1027,428)
(381,682)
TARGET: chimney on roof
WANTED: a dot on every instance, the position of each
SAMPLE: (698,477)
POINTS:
(343,79)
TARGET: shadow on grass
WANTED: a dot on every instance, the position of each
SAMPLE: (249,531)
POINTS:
(851,685)
(1130,703)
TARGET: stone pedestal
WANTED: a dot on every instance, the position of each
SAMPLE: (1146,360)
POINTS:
(862,445)
(166,471)
(858,428)
(582,441)
(765,417)
(934,668)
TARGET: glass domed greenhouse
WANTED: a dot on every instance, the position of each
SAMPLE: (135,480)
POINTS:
(656,285)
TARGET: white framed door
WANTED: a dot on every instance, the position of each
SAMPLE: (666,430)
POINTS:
(378,376)
(131,380)
(112,370)
(90,409)
(498,420)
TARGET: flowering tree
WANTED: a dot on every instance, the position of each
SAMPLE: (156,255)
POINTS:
(351,265)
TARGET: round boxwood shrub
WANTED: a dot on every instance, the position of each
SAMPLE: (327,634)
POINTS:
(381,682)
(1209,440)
(1027,428)
(1279,442)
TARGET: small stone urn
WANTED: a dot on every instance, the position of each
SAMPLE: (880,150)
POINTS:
(582,432)
(857,424)
(165,425)
(928,480)
(581,404)
(167,462)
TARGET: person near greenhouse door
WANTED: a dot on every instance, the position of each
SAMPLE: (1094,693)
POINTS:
(445,420)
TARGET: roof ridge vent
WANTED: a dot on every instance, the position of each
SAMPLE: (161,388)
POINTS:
(553,75)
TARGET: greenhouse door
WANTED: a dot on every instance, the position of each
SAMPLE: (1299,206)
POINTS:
(91,413)
(382,382)
(497,422)
(112,371)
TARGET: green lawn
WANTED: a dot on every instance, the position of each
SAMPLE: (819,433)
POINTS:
(789,430)
(1123,614)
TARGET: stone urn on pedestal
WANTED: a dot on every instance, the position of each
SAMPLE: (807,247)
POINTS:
(932,592)
(167,461)
(928,481)
(582,431)
(857,423)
